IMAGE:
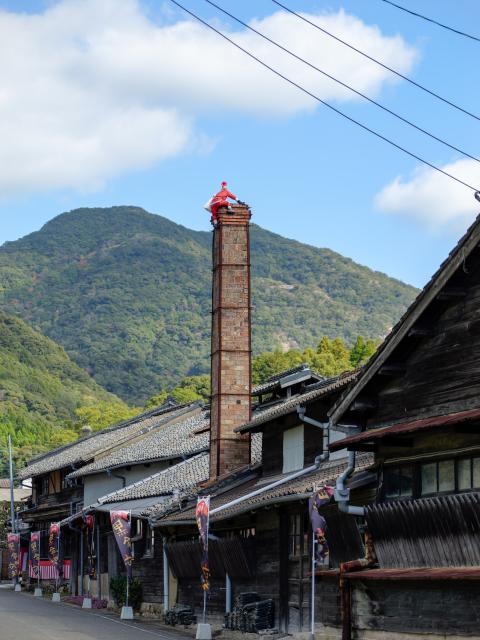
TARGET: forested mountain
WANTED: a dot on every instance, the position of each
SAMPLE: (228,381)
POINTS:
(40,389)
(127,294)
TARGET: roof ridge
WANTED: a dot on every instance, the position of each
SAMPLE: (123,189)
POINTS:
(160,410)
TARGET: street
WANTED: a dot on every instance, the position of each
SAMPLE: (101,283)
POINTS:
(23,617)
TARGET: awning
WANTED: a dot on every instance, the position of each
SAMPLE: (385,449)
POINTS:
(371,435)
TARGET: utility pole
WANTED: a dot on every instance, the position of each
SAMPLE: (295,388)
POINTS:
(12,498)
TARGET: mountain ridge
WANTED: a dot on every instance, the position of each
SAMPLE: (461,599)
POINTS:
(127,294)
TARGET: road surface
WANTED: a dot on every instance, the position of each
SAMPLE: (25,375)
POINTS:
(23,617)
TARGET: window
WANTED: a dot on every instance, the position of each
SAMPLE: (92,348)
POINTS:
(430,478)
(398,481)
(468,473)
(293,449)
(43,486)
(149,542)
(298,528)
(64,481)
(438,477)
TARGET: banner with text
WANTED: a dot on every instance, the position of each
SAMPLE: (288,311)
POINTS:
(54,548)
(13,544)
(122,526)
(35,553)
(202,516)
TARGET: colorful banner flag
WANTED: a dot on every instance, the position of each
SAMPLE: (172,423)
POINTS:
(319,499)
(122,526)
(90,525)
(35,553)
(13,545)
(202,516)
(54,548)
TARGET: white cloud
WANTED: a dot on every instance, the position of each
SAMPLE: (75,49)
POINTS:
(89,90)
(432,198)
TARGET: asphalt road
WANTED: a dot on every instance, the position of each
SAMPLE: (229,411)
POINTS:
(23,617)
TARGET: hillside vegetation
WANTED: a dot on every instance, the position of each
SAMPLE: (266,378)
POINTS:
(127,294)
(40,391)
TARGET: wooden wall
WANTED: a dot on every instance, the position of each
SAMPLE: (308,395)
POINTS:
(442,372)
(445,608)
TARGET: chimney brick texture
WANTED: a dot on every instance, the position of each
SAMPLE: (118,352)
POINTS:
(231,341)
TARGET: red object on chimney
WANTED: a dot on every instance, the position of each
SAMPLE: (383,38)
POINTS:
(231,341)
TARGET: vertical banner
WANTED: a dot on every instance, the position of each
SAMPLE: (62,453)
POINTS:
(121,525)
(13,544)
(321,497)
(90,525)
(54,548)
(35,553)
(202,516)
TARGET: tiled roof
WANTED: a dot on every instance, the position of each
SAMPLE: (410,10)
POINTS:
(85,449)
(313,392)
(271,383)
(182,477)
(168,439)
(302,486)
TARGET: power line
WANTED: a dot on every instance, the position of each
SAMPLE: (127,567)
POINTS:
(397,73)
(439,24)
(312,95)
(344,84)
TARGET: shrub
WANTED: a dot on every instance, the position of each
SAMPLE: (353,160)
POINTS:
(118,587)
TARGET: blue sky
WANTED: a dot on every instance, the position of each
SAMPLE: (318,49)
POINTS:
(103,107)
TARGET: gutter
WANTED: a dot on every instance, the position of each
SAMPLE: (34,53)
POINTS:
(273,485)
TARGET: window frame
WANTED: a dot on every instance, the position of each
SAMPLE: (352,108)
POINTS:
(417,467)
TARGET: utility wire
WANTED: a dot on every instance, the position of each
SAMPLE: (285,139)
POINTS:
(344,84)
(397,73)
(439,24)
(312,95)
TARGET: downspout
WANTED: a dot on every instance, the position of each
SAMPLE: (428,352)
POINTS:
(325,426)
(369,560)
(342,493)
(166,576)
(114,475)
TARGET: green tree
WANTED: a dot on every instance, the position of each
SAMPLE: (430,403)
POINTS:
(362,351)
(105,414)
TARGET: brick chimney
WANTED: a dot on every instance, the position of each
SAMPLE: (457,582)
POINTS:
(231,341)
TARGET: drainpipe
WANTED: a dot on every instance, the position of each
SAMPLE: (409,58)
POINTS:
(114,475)
(342,493)
(166,569)
(99,576)
(228,593)
(325,426)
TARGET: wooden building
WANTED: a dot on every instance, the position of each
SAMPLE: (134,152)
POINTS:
(261,535)
(416,407)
